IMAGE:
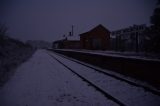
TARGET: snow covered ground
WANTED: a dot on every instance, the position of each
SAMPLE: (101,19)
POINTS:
(42,81)
(114,54)
(126,93)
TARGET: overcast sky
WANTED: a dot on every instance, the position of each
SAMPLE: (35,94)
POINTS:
(50,19)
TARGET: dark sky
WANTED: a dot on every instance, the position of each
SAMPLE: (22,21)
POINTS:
(50,19)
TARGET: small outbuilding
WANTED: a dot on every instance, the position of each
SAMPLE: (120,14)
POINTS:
(66,44)
(95,39)
(58,44)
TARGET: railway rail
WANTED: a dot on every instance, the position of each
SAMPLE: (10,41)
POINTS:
(107,95)
(99,88)
(146,88)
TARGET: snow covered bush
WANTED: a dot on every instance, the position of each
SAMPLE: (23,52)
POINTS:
(12,54)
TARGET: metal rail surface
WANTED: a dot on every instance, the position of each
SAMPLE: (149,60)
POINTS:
(107,95)
(114,76)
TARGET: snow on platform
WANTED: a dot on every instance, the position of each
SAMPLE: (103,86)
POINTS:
(112,54)
(42,81)
(126,93)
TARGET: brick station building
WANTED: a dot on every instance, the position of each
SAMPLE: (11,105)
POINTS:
(66,44)
(95,39)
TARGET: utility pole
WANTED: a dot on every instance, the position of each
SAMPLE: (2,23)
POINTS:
(72,30)
(137,42)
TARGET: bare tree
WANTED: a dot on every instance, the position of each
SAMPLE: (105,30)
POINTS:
(3,30)
(153,33)
(155,18)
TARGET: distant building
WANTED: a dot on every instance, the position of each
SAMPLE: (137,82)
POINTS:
(71,44)
(95,39)
(128,39)
(66,44)
(58,44)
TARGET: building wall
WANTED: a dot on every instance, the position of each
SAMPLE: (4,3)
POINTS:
(71,44)
(58,45)
(97,39)
(66,44)
(129,39)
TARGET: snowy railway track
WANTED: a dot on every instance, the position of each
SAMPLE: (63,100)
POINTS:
(146,88)
(107,95)
(111,86)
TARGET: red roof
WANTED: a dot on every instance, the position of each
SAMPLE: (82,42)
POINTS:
(97,28)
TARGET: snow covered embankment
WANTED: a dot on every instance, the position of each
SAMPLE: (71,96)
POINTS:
(12,54)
